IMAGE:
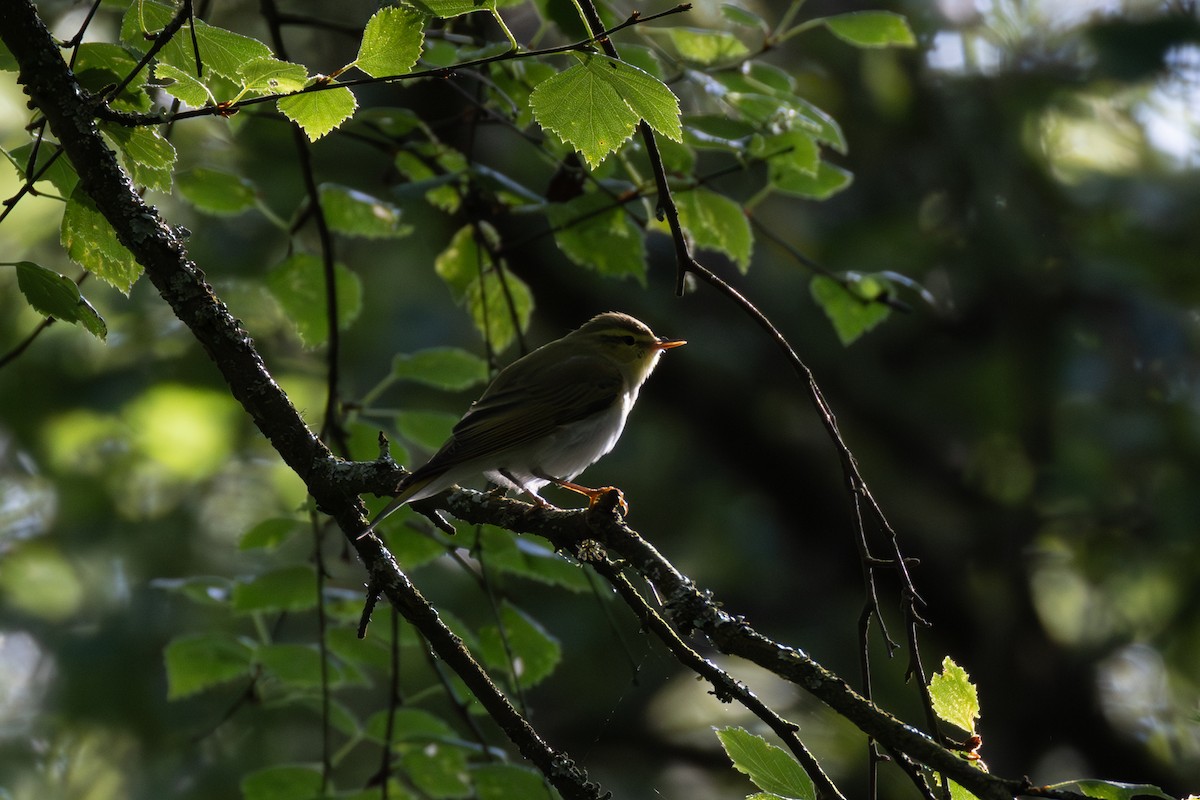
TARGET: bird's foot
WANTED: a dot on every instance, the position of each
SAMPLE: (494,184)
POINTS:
(608,498)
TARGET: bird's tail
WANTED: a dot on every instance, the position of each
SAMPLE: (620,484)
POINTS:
(408,490)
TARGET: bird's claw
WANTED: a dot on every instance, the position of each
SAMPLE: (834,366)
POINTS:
(608,499)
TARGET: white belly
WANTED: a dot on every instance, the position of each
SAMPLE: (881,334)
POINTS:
(567,452)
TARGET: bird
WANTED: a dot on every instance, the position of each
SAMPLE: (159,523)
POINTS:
(547,416)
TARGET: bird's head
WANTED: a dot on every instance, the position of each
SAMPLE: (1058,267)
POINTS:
(626,342)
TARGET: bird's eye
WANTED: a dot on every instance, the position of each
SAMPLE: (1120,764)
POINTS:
(629,340)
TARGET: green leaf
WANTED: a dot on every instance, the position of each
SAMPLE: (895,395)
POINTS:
(740,16)
(92,243)
(7,62)
(222,52)
(646,95)
(1111,790)
(524,649)
(872,29)
(101,66)
(707,47)
(294,664)
(595,106)
(319,112)
(828,181)
(594,231)
(272,76)
(355,213)
(426,428)
(408,725)
(146,155)
(446,9)
(268,534)
(215,192)
(438,770)
(852,314)
(58,296)
(61,173)
(199,661)
(183,86)
(391,42)
(285,589)
(298,283)
(530,558)
(410,547)
(444,367)
(769,767)
(787,152)
(824,127)
(954,697)
(498,305)
(283,782)
(715,221)
(508,781)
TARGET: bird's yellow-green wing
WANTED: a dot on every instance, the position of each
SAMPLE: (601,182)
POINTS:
(520,408)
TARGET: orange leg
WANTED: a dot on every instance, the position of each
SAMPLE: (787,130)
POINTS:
(593,495)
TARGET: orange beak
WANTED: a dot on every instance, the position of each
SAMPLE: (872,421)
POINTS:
(667,344)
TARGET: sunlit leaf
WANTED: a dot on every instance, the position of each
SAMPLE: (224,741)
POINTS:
(707,47)
(446,9)
(145,154)
(715,221)
(319,112)
(787,152)
(272,76)
(101,66)
(391,42)
(92,243)
(222,52)
(595,106)
(183,85)
(740,16)
(594,230)
(498,304)
(872,29)
(852,314)
(954,697)
(58,296)
(769,767)
(356,213)
(826,182)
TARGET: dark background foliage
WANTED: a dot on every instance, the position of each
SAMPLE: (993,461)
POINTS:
(1031,434)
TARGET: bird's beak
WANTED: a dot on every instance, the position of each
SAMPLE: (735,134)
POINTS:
(667,344)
